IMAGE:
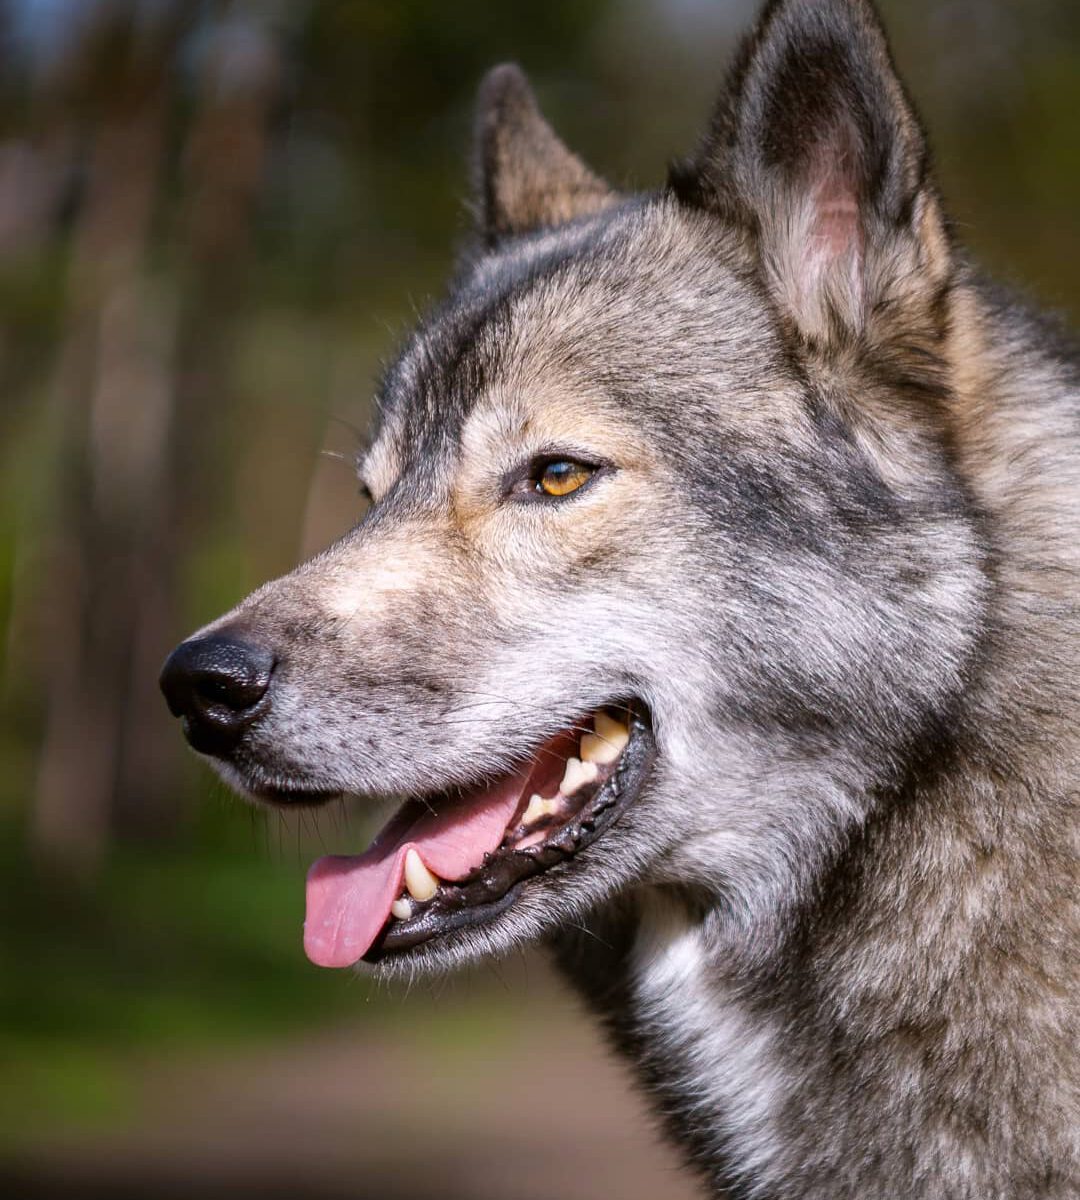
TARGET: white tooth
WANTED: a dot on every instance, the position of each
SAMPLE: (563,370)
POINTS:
(595,750)
(538,807)
(607,743)
(609,727)
(577,774)
(535,809)
(420,883)
(402,909)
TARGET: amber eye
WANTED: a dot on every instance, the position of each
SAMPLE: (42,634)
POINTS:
(562,477)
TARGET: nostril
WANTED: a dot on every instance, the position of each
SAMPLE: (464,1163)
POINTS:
(228,672)
(217,684)
(234,692)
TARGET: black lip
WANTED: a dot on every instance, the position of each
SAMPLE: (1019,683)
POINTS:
(285,797)
(494,886)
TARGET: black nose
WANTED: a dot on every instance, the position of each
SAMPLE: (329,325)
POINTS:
(218,686)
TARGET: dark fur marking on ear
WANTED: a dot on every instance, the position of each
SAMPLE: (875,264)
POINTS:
(812,100)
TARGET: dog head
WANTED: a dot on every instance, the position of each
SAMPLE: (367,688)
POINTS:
(667,576)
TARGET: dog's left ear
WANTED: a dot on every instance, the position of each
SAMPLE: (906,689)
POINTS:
(525,177)
(816,149)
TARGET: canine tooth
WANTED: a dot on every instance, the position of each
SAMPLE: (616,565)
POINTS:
(595,750)
(607,726)
(577,774)
(535,809)
(538,807)
(607,743)
(402,909)
(420,883)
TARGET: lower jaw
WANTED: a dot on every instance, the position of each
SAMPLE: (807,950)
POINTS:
(494,887)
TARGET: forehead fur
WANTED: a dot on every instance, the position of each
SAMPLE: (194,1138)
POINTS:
(651,305)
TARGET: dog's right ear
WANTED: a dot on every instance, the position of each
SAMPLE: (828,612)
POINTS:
(525,177)
(817,152)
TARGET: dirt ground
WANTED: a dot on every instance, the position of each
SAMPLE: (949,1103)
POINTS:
(457,1099)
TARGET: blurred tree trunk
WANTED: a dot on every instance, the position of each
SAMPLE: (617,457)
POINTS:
(223,157)
(142,389)
(111,390)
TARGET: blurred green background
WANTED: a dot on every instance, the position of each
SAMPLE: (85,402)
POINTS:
(216,219)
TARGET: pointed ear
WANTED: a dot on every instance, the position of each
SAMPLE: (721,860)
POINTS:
(526,178)
(817,149)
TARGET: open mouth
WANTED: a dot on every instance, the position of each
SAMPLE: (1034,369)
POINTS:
(446,862)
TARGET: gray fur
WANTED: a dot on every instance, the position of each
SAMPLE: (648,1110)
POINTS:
(836,555)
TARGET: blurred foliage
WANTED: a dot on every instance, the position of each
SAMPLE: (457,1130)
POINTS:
(215,220)
(169,951)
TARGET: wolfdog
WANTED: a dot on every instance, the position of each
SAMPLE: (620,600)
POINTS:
(715,620)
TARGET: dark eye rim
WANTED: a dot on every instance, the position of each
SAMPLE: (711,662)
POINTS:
(521,483)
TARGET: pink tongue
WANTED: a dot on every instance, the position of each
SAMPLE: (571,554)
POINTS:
(349,897)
